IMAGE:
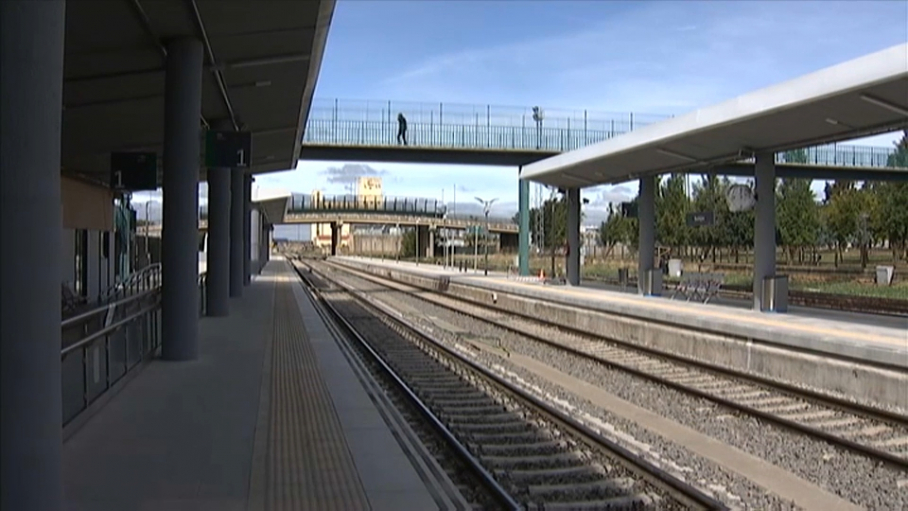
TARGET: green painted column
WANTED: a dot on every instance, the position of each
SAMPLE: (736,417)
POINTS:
(523,245)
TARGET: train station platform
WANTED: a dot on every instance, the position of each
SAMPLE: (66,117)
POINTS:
(274,414)
(872,338)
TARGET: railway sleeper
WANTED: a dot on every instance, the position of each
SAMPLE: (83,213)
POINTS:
(490,409)
(482,418)
(501,428)
(467,398)
(576,474)
(540,448)
(636,502)
(560,460)
(517,438)
(619,487)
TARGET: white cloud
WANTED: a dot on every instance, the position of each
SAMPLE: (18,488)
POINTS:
(661,57)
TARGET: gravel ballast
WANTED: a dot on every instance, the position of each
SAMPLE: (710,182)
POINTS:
(851,476)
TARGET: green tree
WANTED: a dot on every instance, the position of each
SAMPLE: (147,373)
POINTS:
(408,243)
(616,229)
(900,157)
(795,156)
(672,206)
(553,214)
(709,195)
(844,206)
(890,215)
(797,215)
(892,206)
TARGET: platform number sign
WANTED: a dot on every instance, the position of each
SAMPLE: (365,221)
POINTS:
(133,171)
(228,149)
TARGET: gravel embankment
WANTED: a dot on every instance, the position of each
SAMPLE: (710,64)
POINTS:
(851,476)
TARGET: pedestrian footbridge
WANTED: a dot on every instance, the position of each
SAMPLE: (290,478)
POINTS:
(499,135)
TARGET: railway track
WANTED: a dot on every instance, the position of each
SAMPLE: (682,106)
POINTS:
(881,435)
(527,453)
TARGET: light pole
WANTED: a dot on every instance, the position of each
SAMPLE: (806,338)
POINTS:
(147,252)
(551,234)
(444,235)
(486,207)
(538,116)
(475,248)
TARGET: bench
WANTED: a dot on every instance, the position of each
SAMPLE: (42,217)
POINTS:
(699,286)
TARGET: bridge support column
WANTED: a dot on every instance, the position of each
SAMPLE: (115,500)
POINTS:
(247,229)
(218,279)
(430,244)
(523,243)
(237,208)
(180,238)
(31,63)
(335,237)
(573,236)
(256,252)
(422,242)
(646,217)
(269,230)
(764,226)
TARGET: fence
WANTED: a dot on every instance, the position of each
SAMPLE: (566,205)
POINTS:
(355,204)
(487,127)
(102,345)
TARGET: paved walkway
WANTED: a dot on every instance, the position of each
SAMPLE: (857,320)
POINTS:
(269,417)
(882,340)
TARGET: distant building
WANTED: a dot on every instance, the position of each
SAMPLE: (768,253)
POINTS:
(368,196)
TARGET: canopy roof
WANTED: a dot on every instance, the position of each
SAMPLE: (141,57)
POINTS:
(861,97)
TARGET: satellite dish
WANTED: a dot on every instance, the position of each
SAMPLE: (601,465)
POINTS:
(740,198)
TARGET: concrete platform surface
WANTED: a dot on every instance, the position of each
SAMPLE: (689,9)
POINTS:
(872,338)
(270,416)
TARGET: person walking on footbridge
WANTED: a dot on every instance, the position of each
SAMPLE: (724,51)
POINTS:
(401,128)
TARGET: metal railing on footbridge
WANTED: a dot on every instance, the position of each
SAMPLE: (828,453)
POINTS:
(447,125)
(409,206)
(101,346)
(485,127)
(838,155)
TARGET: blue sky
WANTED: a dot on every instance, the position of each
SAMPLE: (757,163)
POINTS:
(657,57)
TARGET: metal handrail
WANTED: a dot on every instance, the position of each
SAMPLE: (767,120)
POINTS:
(112,351)
(106,330)
(153,270)
(202,280)
(81,318)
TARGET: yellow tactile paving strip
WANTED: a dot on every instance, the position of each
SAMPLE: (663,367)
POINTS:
(309,465)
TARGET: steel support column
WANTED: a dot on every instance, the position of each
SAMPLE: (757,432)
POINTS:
(764,223)
(646,218)
(267,243)
(523,241)
(218,278)
(180,237)
(247,229)
(237,227)
(31,64)
(573,236)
